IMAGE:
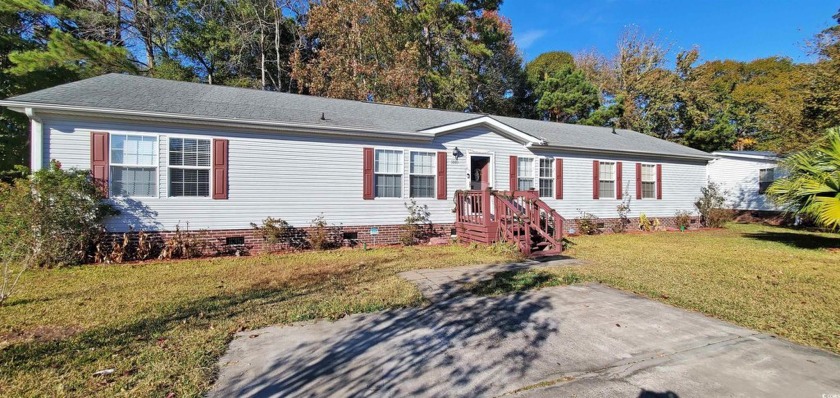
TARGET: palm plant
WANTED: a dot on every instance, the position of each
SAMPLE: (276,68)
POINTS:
(812,186)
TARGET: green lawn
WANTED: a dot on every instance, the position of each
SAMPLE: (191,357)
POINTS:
(162,326)
(776,280)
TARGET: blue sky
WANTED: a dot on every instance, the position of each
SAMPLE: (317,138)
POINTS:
(741,30)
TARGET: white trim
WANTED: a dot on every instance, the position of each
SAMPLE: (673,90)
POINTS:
(738,155)
(598,151)
(614,164)
(36,147)
(433,175)
(402,174)
(484,154)
(169,167)
(155,164)
(642,180)
(489,122)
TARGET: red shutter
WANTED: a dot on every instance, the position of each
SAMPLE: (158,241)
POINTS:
(595,180)
(220,169)
(367,166)
(99,165)
(659,181)
(638,181)
(441,175)
(558,178)
(619,182)
(513,165)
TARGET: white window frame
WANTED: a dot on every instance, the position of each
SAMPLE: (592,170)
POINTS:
(601,164)
(155,163)
(169,167)
(433,175)
(773,170)
(402,174)
(552,171)
(534,172)
(642,179)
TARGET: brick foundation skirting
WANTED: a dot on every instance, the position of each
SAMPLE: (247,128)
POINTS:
(248,241)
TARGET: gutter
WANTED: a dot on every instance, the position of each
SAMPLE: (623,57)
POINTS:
(223,122)
(625,152)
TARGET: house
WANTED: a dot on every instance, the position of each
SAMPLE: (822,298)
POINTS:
(744,176)
(220,158)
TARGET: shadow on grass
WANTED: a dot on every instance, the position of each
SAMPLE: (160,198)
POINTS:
(516,281)
(800,240)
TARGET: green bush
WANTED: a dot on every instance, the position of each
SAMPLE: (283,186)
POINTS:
(417,225)
(711,205)
(55,214)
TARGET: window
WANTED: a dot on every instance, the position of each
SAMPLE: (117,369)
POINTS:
(388,169)
(546,178)
(133,165)
(421,182)
(648,181)
(525,174)
(189,167)
(765,178)
(606,177)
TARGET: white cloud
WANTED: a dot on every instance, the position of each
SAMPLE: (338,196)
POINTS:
(527,38)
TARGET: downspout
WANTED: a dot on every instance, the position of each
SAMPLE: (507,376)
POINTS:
(36,141)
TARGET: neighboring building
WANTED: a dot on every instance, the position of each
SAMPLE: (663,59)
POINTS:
(220,158)
(744,176)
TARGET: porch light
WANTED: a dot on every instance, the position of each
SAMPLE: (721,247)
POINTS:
(457,153)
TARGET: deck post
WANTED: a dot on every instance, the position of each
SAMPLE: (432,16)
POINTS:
(485,207)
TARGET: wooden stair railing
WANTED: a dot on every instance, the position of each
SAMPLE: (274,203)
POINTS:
(518,217)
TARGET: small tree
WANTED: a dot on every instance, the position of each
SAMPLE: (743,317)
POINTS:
(416,225)
(812,187)
(712,206)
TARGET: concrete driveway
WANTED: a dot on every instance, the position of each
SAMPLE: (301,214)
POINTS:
(584,340)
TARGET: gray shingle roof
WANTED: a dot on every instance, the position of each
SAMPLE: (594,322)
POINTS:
(141,94)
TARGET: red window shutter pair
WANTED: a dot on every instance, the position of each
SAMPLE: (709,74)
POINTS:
(99,159)
(220,169)
(367,175)
(99,164)
(514,163)
(639,181)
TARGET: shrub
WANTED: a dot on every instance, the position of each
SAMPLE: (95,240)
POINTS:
(683,219)
(184,244)
(644,223)
(417,225)
(588,223)
(711,206)
(623,210)
(276,231)
(323,236)
(55,215)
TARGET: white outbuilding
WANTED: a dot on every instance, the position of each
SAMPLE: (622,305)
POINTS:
(744,176)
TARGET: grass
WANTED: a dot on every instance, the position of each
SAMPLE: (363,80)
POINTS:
(162,326)
(776,280)
(516,281)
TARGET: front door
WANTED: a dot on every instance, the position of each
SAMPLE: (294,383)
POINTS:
(479,172)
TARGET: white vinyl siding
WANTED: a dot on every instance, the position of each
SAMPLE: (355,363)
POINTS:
(739,180)
(133,170)
(422,174)
(648,181)
(298,177)
(189,167)
(546,178)
(388,172)
(606,180)
(525,174)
